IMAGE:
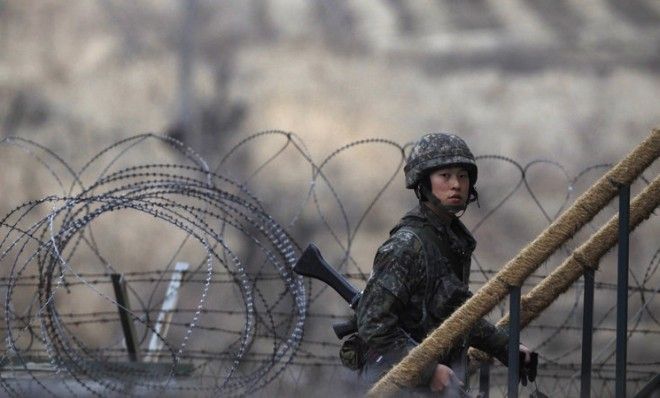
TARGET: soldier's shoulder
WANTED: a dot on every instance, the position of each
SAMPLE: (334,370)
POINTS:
(402,240)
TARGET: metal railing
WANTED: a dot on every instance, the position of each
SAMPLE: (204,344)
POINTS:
(587,325)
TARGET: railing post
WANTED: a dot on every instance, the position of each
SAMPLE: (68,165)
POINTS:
(514,342)
(622,291)
(484,380)
(123,307)
(587,333)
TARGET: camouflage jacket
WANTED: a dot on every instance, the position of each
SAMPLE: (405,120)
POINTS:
(415,285)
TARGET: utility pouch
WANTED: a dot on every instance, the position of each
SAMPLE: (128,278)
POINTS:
(352,352)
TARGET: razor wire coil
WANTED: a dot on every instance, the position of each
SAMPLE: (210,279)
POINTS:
(41,239)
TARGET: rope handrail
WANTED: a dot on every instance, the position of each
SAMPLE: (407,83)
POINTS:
(406,372)
(584,257)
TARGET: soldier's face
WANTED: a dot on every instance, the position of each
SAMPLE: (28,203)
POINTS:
(450,185)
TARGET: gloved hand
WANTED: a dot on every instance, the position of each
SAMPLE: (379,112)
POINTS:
(528,369)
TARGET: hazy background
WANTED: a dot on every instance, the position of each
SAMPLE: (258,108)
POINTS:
(572,81)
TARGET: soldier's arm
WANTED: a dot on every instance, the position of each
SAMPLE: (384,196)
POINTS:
(397,271)
(388,291)
(378,318)
(491,339)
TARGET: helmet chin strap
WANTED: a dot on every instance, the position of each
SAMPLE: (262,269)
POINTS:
(435,202)
(455,209)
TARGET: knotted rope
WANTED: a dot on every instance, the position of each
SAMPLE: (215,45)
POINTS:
(514,273)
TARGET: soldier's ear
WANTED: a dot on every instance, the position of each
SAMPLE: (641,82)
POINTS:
(423,190)
(420,195)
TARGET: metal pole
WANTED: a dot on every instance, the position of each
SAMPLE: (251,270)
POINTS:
(162,323)
(119,285)
(622,291)
(484,380)
(514,342)
(587,333)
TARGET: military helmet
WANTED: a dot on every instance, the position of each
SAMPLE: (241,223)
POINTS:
(438,150)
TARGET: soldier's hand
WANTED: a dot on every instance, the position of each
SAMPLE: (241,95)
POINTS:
(528,364)
(527,352)
(443,376)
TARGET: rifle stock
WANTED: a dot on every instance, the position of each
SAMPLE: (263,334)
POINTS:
(312,264)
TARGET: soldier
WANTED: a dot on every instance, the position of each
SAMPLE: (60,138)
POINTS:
(420,274)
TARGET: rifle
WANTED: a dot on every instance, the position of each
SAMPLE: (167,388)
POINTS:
(312,264)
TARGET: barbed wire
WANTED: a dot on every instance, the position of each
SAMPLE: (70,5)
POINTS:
(53,253)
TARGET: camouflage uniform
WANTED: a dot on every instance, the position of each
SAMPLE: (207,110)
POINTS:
(420,276)
(421,273)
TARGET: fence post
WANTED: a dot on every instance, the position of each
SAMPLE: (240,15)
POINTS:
(162,323)
(123,307)
(587,333)
(514,342)
(622,290)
